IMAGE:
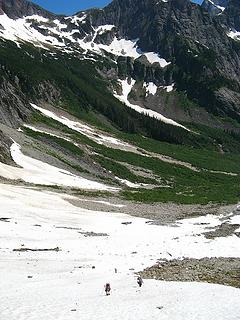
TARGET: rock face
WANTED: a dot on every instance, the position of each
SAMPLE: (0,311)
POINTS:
(232,15)
(228,11)
(215,7)
(5,143)
(20,8)
(205,60)
(13,104)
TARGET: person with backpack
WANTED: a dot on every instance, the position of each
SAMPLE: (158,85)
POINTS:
(139,281)
(107,289)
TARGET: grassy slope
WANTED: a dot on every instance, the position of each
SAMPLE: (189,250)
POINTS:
(181,184)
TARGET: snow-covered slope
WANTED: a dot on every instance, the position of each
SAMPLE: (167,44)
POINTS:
(66,34)
(86,130)
(38,172)
(68,284)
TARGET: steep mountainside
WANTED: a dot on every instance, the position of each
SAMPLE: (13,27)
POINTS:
(120,151)
(142,93)
(232,15)
(20,8)
(159,45)
(215,7)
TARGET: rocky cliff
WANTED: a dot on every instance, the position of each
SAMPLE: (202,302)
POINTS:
(20,8)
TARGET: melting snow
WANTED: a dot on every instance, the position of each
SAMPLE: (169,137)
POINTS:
(77,20)
(38,172)
(235,35)
(151,88)
(22,30)
(131,184)
(68,284)
(102,29)
(127,88)
(84,129)
(154,57)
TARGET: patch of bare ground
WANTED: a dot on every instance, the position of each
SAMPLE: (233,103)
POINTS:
(224,230)
(225,271)
(159,213)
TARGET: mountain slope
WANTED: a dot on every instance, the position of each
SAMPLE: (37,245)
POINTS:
(155,86)
(177,45)
(215,7)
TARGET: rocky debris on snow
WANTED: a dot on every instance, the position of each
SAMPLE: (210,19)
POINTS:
(5,219)
(157,213)
(69,228)
(36,250)
(225,271)
(224,230)
(93,234)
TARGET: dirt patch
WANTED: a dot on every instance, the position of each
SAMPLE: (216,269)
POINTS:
(225,271)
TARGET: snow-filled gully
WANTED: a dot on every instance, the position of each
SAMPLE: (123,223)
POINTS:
(68,284)
(127,88)
(37,172)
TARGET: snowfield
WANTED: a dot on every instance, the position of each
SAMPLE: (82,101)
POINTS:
(38,172)
(58,36)
(68,284)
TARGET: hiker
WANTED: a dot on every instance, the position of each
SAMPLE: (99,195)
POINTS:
(107,289)
(139,281)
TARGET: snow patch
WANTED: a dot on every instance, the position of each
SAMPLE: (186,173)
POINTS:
(38,172)
(77,20)
(154,57)
(84,129)
(150,87)
(131,184)
(58,36)
(105,28)
(235,35)
(127,88)
(21,30)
